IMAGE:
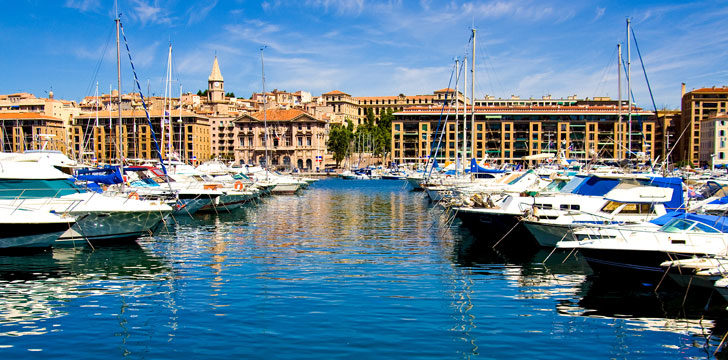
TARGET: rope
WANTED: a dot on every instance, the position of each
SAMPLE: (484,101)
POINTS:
(644,71)
(144,104)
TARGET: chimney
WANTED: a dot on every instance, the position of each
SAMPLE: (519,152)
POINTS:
(682,93)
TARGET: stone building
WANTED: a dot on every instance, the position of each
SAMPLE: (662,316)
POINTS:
(188,140)
(714,140)
(295,139)
(21,131)
(507,133)
(697,105)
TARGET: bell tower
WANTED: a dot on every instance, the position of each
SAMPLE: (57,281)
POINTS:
(215,84)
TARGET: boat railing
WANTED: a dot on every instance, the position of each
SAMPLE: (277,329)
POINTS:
(24,201)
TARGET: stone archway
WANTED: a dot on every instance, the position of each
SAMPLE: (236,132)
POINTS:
(300,163)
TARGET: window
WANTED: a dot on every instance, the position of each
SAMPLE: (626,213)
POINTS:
(396,127)
(569,207)
(424,127)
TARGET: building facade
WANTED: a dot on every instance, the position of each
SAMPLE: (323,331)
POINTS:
(32,131)
(295,139)
(714,140)
(507,133)
(183,135)
(697,105)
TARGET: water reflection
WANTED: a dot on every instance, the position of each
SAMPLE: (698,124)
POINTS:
(39,286)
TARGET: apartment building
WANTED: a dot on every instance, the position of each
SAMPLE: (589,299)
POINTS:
(713,140)
(508,133)
(697,105)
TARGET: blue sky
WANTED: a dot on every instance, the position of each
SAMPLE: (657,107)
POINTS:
(366,48)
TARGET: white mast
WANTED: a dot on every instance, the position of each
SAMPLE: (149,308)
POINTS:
(472,94)
(620,131)
(457,100)
(265,117)
(179,122)
(118,73)
(168,91)
(465,113)
(629,94)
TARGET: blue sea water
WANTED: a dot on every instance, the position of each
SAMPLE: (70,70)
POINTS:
(347,269)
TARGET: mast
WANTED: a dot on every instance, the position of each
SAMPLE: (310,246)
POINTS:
(620,132)
(169,109)
(457,120)
(629,94)
(465,113)
(118,74)
(179,122)
(472,105)
(265,116)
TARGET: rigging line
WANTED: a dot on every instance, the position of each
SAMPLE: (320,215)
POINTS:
(144,104)
(433,152)
(644,70)
(490,72)
(631,93)
(607,70)
(98,65)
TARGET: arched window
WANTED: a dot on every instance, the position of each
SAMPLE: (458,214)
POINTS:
(300,163)
(286,161)
(308,164)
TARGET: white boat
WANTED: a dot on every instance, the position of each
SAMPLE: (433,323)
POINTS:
(701,271)
(100,218)
(29,229)
(629,250)
(625,204)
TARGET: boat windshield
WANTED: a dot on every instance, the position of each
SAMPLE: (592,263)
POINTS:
(573,184)
(37,188)
(684,225)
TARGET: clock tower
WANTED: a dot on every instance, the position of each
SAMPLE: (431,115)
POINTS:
(215,84)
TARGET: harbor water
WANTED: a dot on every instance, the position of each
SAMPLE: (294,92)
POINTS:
(347,269)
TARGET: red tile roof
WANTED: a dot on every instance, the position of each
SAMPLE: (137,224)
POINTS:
(445,90)
(136,114)
(712,90)
(279,115)
(335,92)
(560,109)
(26,116)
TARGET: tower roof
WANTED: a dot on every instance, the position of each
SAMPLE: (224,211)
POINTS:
(215,75)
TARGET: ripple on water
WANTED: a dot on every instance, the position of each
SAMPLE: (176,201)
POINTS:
(348,269)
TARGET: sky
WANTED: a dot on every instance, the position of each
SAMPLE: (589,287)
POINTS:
(528,48)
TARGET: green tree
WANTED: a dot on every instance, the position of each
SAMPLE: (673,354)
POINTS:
(202,93)
(230,94)
(383,132)
(339,139)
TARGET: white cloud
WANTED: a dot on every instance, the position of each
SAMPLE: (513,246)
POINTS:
(83,5)
(341,7)
(199,12)
(599,12)
(145,12)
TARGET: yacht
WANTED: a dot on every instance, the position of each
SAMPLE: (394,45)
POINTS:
(100,217)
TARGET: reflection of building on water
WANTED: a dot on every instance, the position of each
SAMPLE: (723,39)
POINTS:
(40,286)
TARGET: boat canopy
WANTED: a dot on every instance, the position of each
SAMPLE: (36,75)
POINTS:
(477,169)
(627,193)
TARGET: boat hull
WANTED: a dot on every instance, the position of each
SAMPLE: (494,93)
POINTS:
(548,235)
(494,226)
(285,189)
(102,227)
(31,235)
